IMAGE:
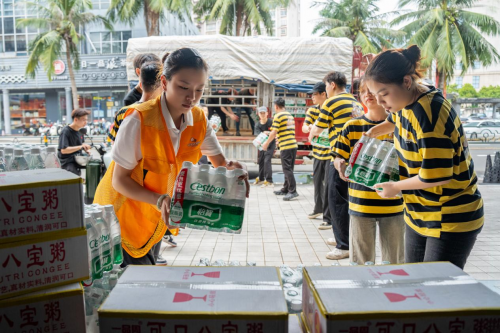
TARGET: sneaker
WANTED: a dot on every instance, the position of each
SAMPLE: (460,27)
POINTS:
(331,241)
(169,239)
(238,134)
(290,196)
(337,254)
(314,215)
(226,134)
(161,261)
(257,181)
(280,192)
(267,184)
(324,226)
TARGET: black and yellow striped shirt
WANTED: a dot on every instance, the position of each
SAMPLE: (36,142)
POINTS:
(318,153)
(335,112)
(431,144)
(284,124)
(363,201)
(116,125)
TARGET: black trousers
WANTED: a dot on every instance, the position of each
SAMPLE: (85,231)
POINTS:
(320,179)
(339,208)
(454,247)
(288,164)
(265,168)
(73,168)
(148,259)
(248,111)
(327,216)
(221,114)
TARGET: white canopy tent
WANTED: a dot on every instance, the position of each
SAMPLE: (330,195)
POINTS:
(272,60)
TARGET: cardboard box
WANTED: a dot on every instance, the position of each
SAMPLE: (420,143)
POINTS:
(38,203)
(196,299)
(51,261)
(58,309)
(295,324)
(413,298)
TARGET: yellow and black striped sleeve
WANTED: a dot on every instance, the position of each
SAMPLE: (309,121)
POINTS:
(343,144)
(312,114)
(116,124)
(318,153)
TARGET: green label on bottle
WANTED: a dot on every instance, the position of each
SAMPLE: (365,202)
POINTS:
(117,253)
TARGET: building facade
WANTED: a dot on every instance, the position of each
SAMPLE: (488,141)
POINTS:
(101,81)
(477,75)
(286,22)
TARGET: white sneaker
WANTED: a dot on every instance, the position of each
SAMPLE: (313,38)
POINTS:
(337,254)
(331,241)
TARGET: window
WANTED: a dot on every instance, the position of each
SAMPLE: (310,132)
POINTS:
(476,65)
(459,81)
(458,66)
(12,38)
(475,82)
(110,42)
(101,4)
(283,12)
(273,14)
(283,31)
(211,26)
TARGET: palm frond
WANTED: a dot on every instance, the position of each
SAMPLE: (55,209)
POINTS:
(484,23)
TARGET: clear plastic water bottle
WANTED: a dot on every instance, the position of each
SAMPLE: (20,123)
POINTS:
(18,161)
(116,236)
(27,153)
(386,262)
(51,160)
(215,122)
(3,167)
(94,249)
(105,243)
(219,263)
(8,156)
(369,263)
(36,160)
(353,264)
(234,263)
(43,152)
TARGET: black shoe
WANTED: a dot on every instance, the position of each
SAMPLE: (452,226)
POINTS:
(280,192)
(170,240)
(238,134)
(290,196)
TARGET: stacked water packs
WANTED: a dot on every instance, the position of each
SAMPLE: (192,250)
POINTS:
(373,162)
(209,198)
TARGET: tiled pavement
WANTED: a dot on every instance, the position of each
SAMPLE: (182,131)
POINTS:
(276,232)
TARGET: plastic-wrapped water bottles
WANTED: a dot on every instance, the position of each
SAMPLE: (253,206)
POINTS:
(219,263)
(3,167)
(260,140)
(51,160)
(94,250)
(293,297)
(106,260)
(36,161)
(115,230)
(215,122)
(18,162)
(8,155)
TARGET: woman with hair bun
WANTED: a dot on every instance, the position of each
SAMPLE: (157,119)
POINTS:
(443,208)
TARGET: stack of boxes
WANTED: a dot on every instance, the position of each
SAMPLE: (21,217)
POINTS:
(43,251)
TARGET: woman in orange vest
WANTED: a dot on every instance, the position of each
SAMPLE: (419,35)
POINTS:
(155,138)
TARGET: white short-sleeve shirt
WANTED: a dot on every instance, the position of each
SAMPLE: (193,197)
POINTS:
(127,148)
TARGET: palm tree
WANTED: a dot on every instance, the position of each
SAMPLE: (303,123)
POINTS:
(358,21)
(248,14)
(59,21)
(447,32)
(153,10)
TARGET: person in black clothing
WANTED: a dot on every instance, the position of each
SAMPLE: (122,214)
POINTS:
(265,169)
(247,110)
(135,94)
(71,141)
(222,111)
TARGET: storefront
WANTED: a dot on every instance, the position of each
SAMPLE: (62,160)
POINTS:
(101,82)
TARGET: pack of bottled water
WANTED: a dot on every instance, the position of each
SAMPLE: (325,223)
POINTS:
(260,140)
(373,162)
(322,140)
(209,198)
(215,122)
(20,157)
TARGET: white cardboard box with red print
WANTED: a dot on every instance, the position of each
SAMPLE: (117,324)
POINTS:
(38,203)
(196,299)
(58,309)
(31,265)
(413,298)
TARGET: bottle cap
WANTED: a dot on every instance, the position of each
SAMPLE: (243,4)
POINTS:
(51,149)
(109,208)
(35,150)
(9,150)
(18,152)
(296,305)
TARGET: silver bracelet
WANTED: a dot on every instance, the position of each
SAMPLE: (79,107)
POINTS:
(160,200)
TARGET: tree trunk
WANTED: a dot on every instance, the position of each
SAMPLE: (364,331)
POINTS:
(74,92)
(152,20)
(239,18)
(245,29)
(440,79)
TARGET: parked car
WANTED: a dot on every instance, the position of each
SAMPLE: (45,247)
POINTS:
(485,130)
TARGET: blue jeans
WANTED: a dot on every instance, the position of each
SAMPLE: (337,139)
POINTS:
(248,111)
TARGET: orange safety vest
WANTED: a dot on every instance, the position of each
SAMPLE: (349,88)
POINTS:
(141,223)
